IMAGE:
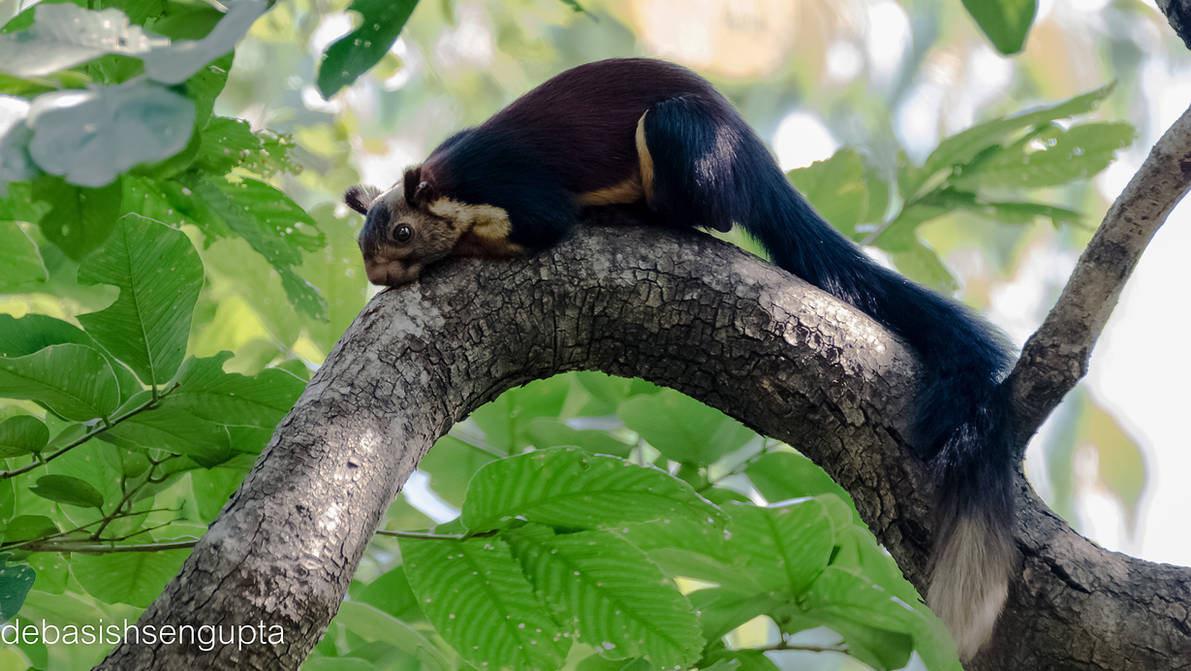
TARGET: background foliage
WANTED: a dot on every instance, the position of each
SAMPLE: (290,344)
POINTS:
(163,210)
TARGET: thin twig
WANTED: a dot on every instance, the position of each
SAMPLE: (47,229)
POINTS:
(1056,356)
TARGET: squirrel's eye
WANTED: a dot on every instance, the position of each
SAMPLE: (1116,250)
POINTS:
(403,233)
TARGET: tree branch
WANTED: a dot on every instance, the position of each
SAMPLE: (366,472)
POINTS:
(1056,357)
(675,307)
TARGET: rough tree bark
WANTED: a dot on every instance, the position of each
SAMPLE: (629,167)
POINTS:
(689,312)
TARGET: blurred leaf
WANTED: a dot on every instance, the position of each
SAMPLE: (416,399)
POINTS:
(274,226)
(504,420)
(135,578)
(63,36)
(837,188)
(619,602)
(353,54)
(682,428)
(80,219)
(921,264)
(230,398)
(546,432)
(1027,213)
(722,610)
(181,60)
(1005,22)
(159,275)
(371,624)
(1052,157)
(90,137)
(451,463)
(780,476)
(964,146)
(1121,464)
(23,434)
(20,262)
(392,594)
(68,490)
(474,593)
(74,381)
(568,487)
(15,582)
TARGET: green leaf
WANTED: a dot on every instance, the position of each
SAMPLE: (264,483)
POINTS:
(545,432)
(353,54)
(90,137)
(392,594)
(1005,22)
(15,582)
(228,143)
(33,332)
(371,624)
(921,264)
(785,548)
(15,163)
(23,434)
(722,610)
(29,527)
(80,219)
(74,381)
(845,598)
(568,487)
(69,490)
(1051,157)
(135,578)
(617,599)
(174,430)
(682,428)
(964,146)
(787,475)
(20,262)
(230,398)
(274,226)
(451,463)
(63,36)
(478,600)
(837,188)
(159,275)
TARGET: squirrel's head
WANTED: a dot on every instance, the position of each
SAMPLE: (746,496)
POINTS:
(401,235)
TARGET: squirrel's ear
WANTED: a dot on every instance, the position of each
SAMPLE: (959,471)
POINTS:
(360,197)
(425,193)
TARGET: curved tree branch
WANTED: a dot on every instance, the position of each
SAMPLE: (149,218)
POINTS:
(1056,357)
(675,307)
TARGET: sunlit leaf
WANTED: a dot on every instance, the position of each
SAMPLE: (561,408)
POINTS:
(837,188)
(90,137)
(65,35)
(785,547)
(474,593)
(353,54)
(182,59)
(1051,157)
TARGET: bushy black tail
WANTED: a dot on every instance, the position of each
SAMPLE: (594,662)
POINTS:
(712,170)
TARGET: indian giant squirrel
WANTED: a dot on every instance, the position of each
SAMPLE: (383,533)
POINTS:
(626,131)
